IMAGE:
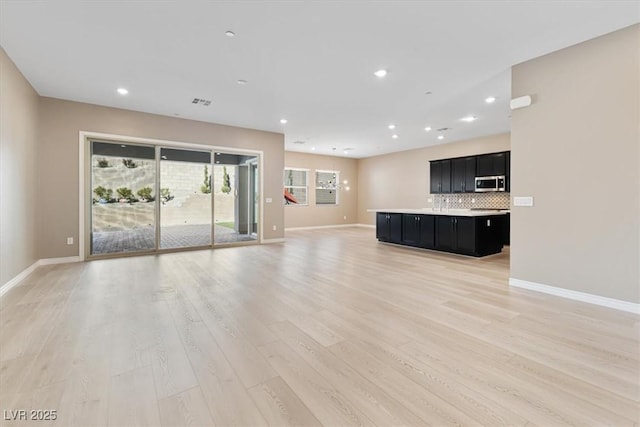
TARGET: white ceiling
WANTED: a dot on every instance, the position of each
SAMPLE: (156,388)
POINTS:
(309,62)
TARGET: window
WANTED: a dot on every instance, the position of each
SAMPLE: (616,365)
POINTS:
(296,187)
(327,187)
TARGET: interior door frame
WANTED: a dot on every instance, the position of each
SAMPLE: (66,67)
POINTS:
(84,179)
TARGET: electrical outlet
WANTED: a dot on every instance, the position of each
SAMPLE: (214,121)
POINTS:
(275,228)
(69,240)
(269,200)
(429,200)
(345,217)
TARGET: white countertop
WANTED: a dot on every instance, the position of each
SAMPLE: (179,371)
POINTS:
(450,212)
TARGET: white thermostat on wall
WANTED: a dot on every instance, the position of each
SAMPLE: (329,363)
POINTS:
(523,201)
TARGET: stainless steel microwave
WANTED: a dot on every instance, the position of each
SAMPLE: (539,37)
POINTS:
(490,183)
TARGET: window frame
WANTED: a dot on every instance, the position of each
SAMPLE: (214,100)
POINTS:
(337,189)
(305,187)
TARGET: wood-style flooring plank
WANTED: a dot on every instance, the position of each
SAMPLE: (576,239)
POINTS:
(327,403)
(281,406)
(229,401)
(132,399)
(188,408)
(374,400)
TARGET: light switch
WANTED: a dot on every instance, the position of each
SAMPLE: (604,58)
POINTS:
(269,200)
(523,201)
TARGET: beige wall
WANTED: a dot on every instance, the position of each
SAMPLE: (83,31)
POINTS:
(576,151)
(401,180)
(321,215)
(60,124)
(18,171)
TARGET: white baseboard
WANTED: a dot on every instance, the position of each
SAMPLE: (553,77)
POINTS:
(64,260)
(19,278)
(320,227)
(269,241)
(27,271)
(576,295)
(365,225)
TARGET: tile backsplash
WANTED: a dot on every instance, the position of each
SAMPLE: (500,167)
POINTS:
(469,201)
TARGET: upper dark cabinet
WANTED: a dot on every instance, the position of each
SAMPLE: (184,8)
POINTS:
(463,173)
(508,171)
(440,175)
(492,164)
(458,175)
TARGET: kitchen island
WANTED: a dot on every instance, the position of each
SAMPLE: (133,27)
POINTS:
(462,231)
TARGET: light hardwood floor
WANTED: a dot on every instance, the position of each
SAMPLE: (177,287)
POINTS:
(330,328)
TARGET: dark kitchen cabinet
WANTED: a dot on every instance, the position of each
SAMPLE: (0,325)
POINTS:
(418,230)
(465,235)
(445,234)
(477,236)
(389,227)
(506,230)
(456,234)
(440,176)
(492,164)
(507,171)
(463,174)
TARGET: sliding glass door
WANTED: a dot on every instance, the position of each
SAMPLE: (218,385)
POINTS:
(185,198)
(235,188)
(147,198)
(122,198)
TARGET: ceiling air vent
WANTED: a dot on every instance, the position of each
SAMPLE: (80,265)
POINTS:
(299,142)
(443,129)
(200,101)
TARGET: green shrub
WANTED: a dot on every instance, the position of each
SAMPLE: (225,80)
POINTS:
(206,187)
(103,163)
(145,193)
(125,193)
(165,195)
(105,194)
(226,181)
(129,163)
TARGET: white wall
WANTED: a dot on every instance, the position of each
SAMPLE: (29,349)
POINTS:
(18,171)
(576,150)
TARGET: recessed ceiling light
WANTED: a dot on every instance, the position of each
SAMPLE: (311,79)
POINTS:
(469,119)
(217,161)
(283,121)
(229,33)
(394,136)
(440,136)
(122,91)
(428,128)
(490,100)
(313,148)
(391,126)
(380,73)
(428,92)
(123,146)
(242,82)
